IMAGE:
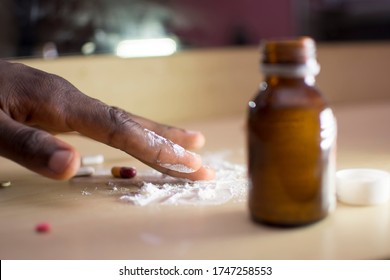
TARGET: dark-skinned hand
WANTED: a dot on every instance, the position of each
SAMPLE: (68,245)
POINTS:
(35,105)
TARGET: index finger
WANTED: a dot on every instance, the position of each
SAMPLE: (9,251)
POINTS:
(189,139)
(120,129)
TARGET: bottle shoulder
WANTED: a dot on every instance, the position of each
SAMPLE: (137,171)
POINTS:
(282,95)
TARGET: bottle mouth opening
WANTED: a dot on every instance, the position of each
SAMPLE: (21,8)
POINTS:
(299,51)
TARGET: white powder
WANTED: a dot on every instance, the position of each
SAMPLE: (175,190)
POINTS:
(152,187)
(230,185)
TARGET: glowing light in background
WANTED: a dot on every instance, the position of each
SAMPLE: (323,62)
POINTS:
(49,50)
(88,48)
(146,47)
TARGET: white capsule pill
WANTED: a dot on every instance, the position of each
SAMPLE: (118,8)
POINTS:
(363,186)
(5,184)
(92,160)
(85,171)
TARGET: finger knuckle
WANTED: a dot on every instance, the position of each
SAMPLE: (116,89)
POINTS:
(120,121)
(30,78)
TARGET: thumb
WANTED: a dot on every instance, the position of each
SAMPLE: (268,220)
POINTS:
(37,150)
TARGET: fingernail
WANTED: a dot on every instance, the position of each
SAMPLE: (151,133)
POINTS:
(210,173)
(60,160)
(192,131)
(199,140)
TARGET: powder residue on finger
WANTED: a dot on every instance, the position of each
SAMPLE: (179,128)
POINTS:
(155,140)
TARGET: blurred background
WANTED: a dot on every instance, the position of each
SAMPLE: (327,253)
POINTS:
(130,28)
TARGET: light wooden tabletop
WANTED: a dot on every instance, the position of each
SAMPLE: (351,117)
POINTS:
(100,226)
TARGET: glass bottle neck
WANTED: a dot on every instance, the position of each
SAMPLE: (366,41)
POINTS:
(273,79)
(293,72)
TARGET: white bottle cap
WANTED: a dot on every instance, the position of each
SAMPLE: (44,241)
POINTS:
(363,186)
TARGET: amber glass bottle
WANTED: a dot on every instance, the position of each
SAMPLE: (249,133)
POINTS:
(291,139)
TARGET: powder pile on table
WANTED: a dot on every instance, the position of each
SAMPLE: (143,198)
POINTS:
(152,187)
(230,185)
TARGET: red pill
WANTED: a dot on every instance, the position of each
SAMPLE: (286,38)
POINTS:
(123,172)
(43,227)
